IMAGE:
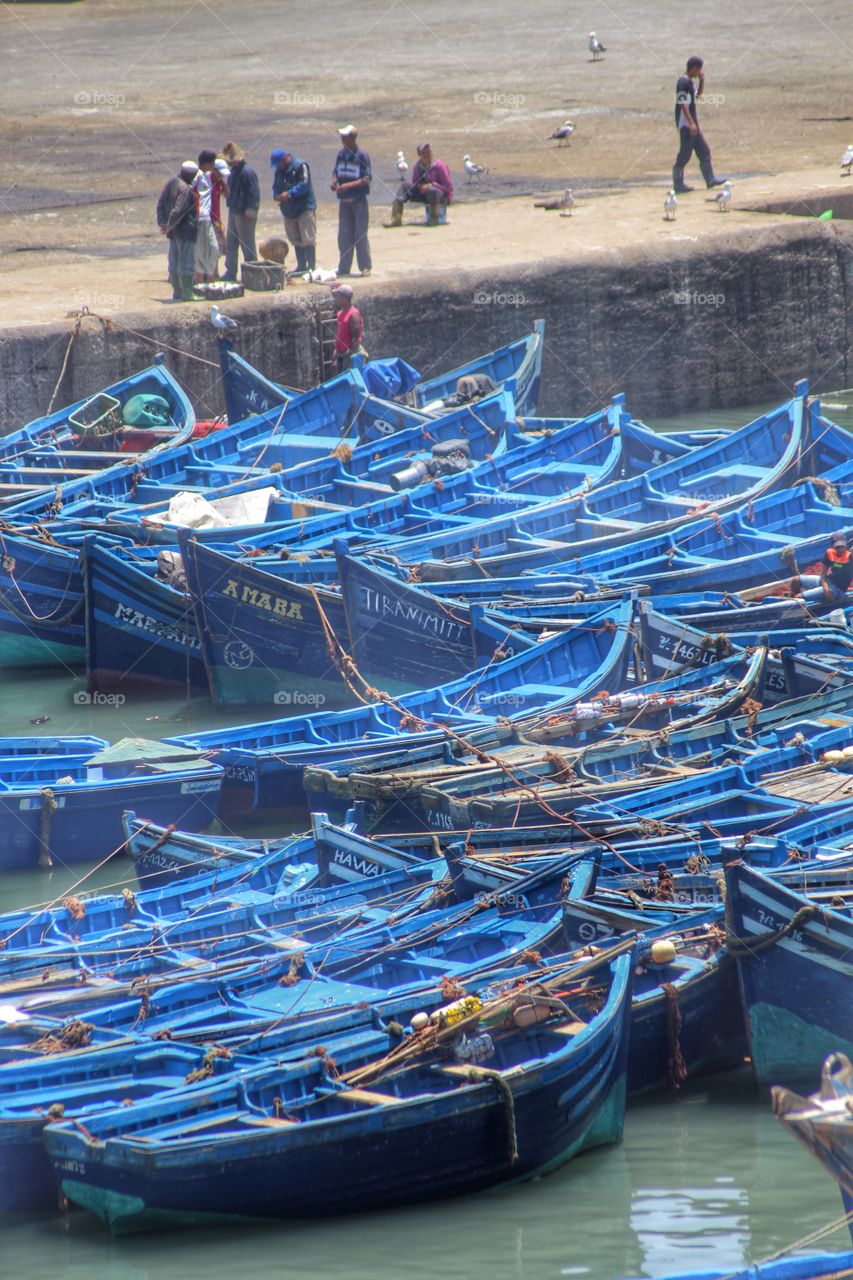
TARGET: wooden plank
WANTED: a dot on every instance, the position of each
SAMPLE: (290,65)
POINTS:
(368,1096)
(470,1072)
(269,1122)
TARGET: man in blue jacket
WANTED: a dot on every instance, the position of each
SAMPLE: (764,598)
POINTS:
(244,197)
(292,189)
(351,183)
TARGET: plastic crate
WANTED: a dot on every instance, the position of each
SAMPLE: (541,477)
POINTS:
(97,416)
(263,276)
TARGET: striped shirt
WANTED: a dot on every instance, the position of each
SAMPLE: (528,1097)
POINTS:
(350,166)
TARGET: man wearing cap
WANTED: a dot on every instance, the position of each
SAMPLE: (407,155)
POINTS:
(351,182)
(206,244)
(350,328)
(430,185)
(244,197)
(178,220)
(294,193)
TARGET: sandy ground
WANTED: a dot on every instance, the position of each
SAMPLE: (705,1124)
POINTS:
(102,100)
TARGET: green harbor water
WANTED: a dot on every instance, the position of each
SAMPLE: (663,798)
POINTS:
(706,1181)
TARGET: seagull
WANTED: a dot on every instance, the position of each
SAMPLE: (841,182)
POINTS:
(595,46)
(847,160)
(402,165)
(723,197)
(670,205)
(474,170)
(568,203)
(563,134)
(223,323)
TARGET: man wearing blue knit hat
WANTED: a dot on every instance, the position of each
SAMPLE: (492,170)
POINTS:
(293,192)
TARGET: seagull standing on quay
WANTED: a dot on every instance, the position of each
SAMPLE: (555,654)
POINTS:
(402,165)
(568,203)
(474,170)
(847,161)
(723,197)
(670,205)
(595,46)
(223,323)
(563,134)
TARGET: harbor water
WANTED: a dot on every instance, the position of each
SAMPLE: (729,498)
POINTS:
(705,1180)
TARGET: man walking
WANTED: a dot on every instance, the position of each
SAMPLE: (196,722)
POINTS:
(687,123)
(244,197)
(294,193)
(351,182)
(431,185)
(178,220)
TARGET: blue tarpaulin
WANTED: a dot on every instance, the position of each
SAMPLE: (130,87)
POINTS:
(389,378)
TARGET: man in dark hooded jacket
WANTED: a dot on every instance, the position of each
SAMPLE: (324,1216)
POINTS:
(177,218)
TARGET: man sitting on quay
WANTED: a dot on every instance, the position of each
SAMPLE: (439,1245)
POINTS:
(431,185)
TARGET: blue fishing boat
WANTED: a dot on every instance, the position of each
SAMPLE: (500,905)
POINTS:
(518,784)
(800,1266)
(518,362)
(61,803)
(794,967)
(121,1074)
(247,391)
(823,1123)
(146,411)
(548,1092)
(764,455)
(685,1018)
(264,762)
(41,590)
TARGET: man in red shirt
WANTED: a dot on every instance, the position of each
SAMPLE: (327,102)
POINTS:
(349,330)
(431,185)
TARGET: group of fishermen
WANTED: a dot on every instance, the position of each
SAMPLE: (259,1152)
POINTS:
(189,210)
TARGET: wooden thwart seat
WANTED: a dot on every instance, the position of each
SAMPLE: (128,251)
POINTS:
(368,1096)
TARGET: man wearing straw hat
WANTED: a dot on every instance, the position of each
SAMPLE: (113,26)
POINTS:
(244,198)
(351,183)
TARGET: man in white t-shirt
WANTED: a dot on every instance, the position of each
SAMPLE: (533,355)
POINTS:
(206,265)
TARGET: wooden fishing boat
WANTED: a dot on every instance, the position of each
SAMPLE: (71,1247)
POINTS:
(823,1123)
(61,803)
(766,454)
(264,762)
(247,391)
(800,1266)
(91,434)
(41,590)
(517,362)
(794,968)
(548,1092)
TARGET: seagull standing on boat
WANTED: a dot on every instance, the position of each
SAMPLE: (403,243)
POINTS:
(563,134)
(847,161)
(223,323)
(670,205)
(723,197)
(474,170)
(595,46)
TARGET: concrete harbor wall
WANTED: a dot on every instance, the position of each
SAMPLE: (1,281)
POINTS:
(693,326)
